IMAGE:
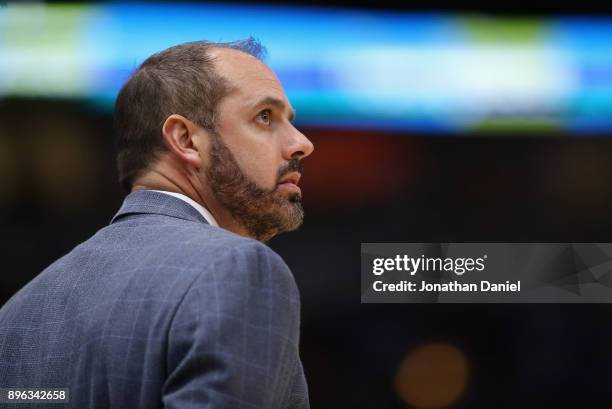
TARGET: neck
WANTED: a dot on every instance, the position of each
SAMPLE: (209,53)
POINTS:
(169,180)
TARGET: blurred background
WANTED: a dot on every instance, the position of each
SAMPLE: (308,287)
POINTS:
(432,122)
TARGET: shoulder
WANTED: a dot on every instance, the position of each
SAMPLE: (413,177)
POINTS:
(249,261)
(212,246)
(177,241)
(212,254)
(189,255)
(248,287)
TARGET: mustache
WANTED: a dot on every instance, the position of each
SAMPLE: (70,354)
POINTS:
(294,165)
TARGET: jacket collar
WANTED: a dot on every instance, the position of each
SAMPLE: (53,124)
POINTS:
(149,202)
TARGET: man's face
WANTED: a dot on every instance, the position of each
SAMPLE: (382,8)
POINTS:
(255,155)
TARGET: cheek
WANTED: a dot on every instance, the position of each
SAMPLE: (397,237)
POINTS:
(260,163)
(256,152)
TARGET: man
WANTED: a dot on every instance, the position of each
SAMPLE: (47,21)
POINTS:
(177,303)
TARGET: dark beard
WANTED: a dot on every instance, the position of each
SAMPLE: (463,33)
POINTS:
(263,213)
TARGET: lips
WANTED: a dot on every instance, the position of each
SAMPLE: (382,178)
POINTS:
(290,181)
(292,178)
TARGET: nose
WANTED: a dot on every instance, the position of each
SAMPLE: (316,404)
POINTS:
(298,145)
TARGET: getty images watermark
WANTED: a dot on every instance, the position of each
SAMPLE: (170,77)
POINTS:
(486,272)
(457,266)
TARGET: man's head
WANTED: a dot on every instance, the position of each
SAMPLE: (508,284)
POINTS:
(212,121)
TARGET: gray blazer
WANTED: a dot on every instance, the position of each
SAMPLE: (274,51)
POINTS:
(158,310)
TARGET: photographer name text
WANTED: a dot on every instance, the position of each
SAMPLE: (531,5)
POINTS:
(452,286)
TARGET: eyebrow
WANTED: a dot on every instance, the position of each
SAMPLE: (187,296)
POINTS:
(278,104)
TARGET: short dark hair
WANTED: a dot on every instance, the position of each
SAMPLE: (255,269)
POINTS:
(179,80)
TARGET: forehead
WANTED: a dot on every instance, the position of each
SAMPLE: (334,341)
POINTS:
(252,80)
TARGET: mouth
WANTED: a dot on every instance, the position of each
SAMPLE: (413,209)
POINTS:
(290,182)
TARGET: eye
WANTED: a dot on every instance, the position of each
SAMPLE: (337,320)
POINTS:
(264,117)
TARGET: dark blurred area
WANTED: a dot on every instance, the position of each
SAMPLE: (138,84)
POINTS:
(58,185)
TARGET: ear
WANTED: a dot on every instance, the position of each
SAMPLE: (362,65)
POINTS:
(178,133)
